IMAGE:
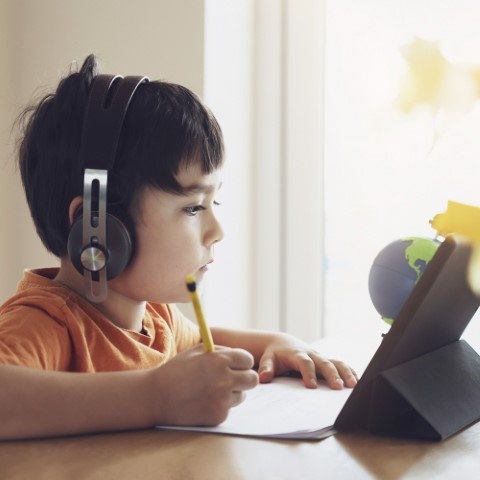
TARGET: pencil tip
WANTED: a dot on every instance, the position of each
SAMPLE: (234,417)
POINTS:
(191,284)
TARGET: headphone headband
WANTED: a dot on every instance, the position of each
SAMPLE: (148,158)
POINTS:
(108,101)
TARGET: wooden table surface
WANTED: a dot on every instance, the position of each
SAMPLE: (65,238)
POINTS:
(156,454)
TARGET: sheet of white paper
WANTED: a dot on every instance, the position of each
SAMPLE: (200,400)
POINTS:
(283,409)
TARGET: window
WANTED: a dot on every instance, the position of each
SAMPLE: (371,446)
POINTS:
(323,169)
(388,171)
(264,82)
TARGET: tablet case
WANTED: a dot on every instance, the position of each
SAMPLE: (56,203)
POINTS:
(423,381)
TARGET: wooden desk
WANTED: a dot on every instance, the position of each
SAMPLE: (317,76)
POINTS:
(174,455)
(165,455)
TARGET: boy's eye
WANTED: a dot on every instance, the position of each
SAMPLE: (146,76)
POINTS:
(192,211)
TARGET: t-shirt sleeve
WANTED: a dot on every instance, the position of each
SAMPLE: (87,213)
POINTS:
(185,332)
(30,337)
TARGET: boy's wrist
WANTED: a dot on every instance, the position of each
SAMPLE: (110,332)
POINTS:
(152,396)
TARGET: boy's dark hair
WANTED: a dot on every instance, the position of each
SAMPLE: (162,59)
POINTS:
(166,127)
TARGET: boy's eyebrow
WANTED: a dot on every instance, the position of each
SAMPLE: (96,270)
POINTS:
(200,188)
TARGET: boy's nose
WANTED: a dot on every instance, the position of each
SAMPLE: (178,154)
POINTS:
(215,231)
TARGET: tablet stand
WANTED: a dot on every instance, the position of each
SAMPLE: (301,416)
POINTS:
(431,397)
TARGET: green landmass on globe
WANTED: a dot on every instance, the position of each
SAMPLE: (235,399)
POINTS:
(395,271)
(420,251)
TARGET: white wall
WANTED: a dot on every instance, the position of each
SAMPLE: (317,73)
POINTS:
(40,39)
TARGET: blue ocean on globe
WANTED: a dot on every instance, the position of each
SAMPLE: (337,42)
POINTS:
(395,271)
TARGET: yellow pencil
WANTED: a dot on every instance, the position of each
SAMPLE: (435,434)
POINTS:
(204,330)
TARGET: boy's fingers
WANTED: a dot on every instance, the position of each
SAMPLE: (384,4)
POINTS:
(347,373)
(306,367)
(245,380)
(266,369)
(238,398)
(239,359)
(329,372)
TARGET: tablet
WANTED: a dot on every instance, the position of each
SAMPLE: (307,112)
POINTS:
(435,315)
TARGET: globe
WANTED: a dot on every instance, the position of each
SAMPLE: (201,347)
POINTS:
(395,271)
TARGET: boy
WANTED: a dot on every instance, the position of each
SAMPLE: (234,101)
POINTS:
(74,359)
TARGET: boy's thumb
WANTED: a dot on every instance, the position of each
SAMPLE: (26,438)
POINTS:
(266,369)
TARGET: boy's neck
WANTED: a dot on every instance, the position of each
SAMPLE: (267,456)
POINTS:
(123,311)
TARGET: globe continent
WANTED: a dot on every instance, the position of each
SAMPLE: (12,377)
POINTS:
(395,271)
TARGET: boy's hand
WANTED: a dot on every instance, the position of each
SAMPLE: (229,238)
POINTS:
(199,388)
(286,353)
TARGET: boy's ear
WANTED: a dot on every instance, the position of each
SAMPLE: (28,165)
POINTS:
(75,204)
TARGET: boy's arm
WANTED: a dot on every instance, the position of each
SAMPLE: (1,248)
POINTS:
(193,388)
(36,403)
(278,353)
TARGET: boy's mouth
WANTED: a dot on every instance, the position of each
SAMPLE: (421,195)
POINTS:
(204,268)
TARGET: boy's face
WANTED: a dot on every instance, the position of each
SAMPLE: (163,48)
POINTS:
(175,235)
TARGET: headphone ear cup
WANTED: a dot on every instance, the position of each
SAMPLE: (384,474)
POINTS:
(119,249)
(75,243)
(120,244)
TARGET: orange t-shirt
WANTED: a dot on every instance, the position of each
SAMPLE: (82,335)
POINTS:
(46,325)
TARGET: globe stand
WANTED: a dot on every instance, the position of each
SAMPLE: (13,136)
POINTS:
(432,397)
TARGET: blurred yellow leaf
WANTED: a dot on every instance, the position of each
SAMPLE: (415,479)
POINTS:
(433,81)
(463,220)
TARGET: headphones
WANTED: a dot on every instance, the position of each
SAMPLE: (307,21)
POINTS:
(100,243)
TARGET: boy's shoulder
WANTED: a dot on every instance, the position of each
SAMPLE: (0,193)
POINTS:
(38,289)
(41,299)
